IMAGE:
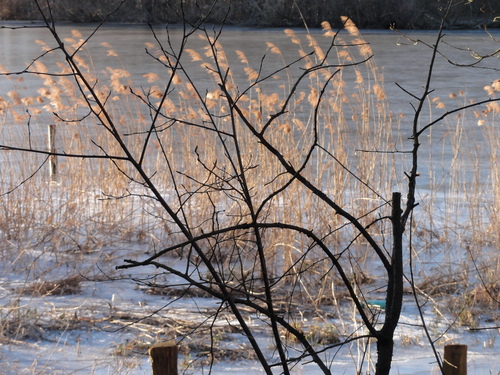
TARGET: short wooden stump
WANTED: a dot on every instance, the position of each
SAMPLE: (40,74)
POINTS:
(164,358)
(455,360)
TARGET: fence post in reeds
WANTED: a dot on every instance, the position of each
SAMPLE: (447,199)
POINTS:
(164,358)
(52,149)
(455,360)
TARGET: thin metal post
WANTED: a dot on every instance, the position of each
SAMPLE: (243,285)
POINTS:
(52,158)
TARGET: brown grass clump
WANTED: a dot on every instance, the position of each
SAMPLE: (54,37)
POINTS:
(67,286)
(485,295)
(441,285)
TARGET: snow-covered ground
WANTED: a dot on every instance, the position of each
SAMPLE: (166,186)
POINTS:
(106,324)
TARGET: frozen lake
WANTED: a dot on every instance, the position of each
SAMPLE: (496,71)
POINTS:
(402,59)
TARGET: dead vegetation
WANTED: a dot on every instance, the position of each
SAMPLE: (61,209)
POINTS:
(100,198)
(66,286)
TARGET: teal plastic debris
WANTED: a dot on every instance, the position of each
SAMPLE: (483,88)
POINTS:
(376,303)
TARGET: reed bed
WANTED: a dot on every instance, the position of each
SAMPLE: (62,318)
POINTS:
(93,205)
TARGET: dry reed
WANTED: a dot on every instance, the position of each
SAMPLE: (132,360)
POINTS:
(95,204)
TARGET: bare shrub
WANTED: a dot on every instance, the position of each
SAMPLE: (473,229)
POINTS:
(272,201)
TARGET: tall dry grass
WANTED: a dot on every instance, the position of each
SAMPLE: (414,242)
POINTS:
(95,205)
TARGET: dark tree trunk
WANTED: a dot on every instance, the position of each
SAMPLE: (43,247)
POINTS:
(394,299)
(385,349)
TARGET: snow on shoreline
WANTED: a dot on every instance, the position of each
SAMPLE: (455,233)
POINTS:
(99,346)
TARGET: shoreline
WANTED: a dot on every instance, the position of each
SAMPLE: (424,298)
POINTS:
(404,14)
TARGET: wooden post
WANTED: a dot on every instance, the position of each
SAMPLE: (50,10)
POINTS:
(455,360)
(164,358)
(52,158)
